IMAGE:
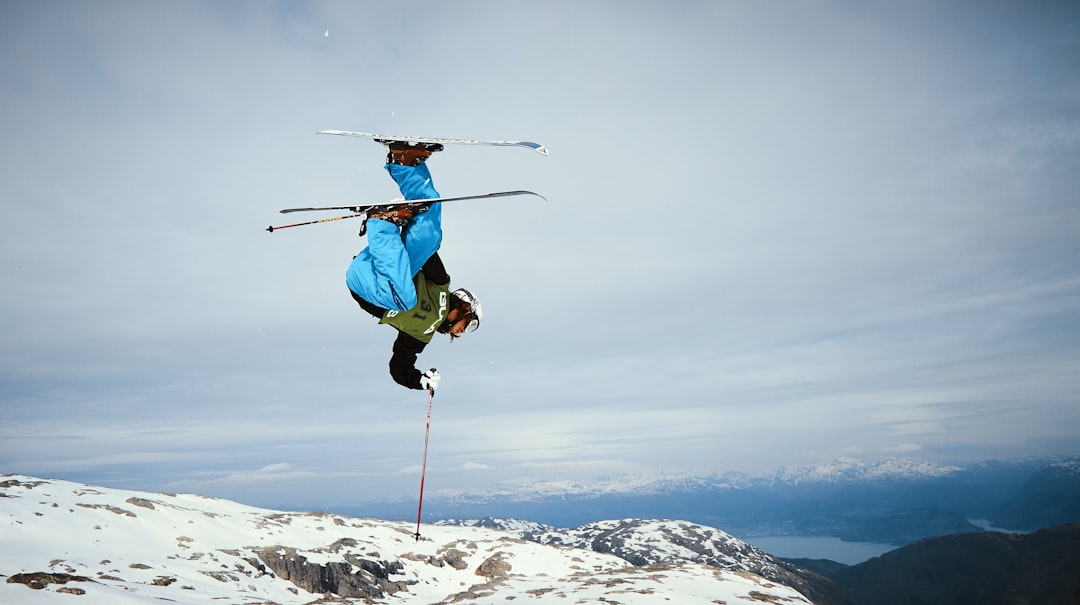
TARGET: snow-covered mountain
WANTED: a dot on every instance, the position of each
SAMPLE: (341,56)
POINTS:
(654,483)
(891,501)
(850,469)
(120,547)
(622,484)
(650,542)
(1070,466)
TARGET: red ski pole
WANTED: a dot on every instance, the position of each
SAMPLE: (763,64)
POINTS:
(423,466)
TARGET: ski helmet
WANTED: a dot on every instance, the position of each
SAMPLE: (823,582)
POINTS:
(476,310)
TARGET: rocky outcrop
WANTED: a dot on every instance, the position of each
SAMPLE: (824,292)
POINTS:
(39,580)
(143,502)
(496,566)
(350,577)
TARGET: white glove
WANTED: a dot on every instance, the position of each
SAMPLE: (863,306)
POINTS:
(430,380)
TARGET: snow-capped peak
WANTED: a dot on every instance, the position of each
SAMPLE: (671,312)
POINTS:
(850,469)
(1070,466)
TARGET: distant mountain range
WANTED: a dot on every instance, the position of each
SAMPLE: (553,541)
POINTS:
(850,469)
(838,471)
(894,501)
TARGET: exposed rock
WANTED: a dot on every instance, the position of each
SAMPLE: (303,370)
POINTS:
(143,502)
(39,580)
(337,577)
(494,567)
(222,576)
(341,544)
(111,509)
(455,558)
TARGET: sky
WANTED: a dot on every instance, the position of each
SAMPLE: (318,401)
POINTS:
(775,233)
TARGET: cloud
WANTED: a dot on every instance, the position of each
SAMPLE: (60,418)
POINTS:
(903,448)
(476,466)
(281,471)
(770,238)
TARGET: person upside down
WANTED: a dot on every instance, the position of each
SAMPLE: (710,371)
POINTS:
(400,279)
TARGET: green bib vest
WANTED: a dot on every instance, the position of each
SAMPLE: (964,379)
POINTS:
(421,321)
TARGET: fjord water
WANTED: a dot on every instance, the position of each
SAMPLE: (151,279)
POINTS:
(820,547)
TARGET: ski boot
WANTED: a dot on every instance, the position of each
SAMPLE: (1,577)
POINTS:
(399,214)
(408,153)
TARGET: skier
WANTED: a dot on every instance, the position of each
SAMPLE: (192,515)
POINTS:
(399,277)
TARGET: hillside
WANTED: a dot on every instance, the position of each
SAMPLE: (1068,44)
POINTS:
(1050,497)
(123,547)
(987,568)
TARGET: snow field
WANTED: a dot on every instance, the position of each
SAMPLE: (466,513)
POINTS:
(140,548)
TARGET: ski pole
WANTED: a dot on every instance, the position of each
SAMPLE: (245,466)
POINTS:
(423,466)
(272,228)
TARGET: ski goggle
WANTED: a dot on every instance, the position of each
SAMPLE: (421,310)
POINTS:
(473,324)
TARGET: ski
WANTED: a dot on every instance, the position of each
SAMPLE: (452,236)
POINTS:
(537,147)
(360,208)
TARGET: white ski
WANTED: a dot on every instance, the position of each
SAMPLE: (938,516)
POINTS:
(537,147)
(399,201)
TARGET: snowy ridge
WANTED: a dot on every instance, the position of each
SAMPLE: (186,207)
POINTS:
(645,542)
(1070,466)
(625,484)
(642,541)
(850,469)
(123,547)
(650,542)
(843,469)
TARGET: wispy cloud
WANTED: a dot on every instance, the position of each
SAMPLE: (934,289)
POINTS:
(771,237)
